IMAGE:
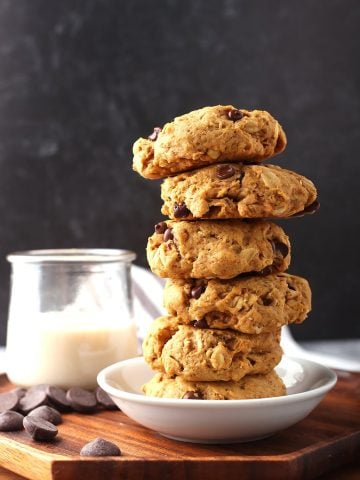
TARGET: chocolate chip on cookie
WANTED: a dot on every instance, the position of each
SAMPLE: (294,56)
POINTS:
(168,234)
(235,115)
(197,291)
(191,395)
(225,171)
(153,136)
(160,227)
(180,210)
(200,323)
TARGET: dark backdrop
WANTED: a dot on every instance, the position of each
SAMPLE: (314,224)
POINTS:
(81,80)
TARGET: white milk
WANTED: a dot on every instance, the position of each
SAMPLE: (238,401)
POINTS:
(67,348)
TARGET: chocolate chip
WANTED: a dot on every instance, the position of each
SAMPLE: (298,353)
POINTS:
(267,301)
(225,171)
(266,270)
(11,421)
(280,247)
(180,210)
(81,400)
(160,227)
(168,235)
(9,401)
(19,392)
(200,323)
(154,135)
(46,413)
(197,291)
(192,395)
(310,209)
(40,429)
(100,448)
(104,400)
(33,398)
(57,398)
(234,115)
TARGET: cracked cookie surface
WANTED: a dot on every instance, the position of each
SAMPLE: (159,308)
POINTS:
(209,135)
(217,249)
(251,386)
(202,354)
(253,304)
(233,190)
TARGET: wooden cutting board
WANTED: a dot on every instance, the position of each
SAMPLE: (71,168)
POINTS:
(328,438)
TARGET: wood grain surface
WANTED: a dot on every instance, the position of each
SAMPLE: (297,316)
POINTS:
(326,440)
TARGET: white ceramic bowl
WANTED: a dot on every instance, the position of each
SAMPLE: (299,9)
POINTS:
(218,421)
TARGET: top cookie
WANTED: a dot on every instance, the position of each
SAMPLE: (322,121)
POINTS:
(209,135)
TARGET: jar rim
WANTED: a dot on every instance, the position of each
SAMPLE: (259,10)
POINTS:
(72,255)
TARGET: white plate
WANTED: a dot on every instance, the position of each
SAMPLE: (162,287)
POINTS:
(218,421)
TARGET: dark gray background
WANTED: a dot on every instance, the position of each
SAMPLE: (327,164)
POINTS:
(81,80)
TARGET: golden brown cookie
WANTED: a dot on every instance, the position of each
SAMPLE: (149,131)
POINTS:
(203,354)
(233,190)
(251,386)
(253,304)
(209,135)
(217,249)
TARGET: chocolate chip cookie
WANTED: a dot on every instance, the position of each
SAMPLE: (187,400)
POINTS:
(251,386)
(253,304)
(203,354)
(217,249)
(234,190)
(206,136)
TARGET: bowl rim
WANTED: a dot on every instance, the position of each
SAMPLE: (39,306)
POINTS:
(327,373)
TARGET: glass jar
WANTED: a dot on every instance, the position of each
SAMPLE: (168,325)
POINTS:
(70,315)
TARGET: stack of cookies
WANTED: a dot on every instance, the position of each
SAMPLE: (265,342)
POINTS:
(227,295)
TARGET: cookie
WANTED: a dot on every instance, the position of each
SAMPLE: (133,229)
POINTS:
(209,135)
(217,249)
(203,354)
(253,304)
(251,386)
(233,190)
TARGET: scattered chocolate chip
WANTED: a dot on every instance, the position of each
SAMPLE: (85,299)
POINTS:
(19,392)
(9,401)
(180,210)
(11,421)
(191,395)
(57,398)
(46,413)
(81,400)
(33,398)
(291,287)
(104,400)
(234,115)
(200,323)
(280,247)
(197,291)
(160,227)
(154,135)
(40,429)
(225,171)
(100,448)
(168,235)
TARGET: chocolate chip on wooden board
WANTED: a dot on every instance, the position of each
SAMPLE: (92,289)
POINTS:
(33,398)
(57,398)
(104,400)
(40,429)
(11,421)
(47,413)
(81,400)
(9,401)
(100,448)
